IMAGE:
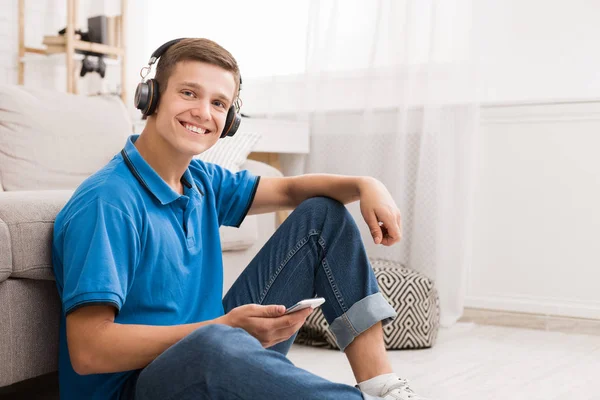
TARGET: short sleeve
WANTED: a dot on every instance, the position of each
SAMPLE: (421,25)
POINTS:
(100,252)
(234,193)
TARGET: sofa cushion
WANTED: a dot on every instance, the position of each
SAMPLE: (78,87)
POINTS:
(5,252)
(29,218)
(29,328)
(53,140)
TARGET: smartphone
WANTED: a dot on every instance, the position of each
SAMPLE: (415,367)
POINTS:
(302,304)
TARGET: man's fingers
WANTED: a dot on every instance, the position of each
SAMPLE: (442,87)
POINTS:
(374,228)
(289,324)
(387,231)
(293,319)
(393,232)
(281,328)
(269,311)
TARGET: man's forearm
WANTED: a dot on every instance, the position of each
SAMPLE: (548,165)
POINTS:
(124,347)
(345,189)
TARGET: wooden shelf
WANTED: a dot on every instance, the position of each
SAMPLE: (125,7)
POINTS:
(98,48)
(34,50)
(59,58)
(58,44)
(70,42)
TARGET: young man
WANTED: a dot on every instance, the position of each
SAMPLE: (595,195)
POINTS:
(138,262)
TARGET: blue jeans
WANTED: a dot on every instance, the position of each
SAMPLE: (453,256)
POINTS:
(317,251)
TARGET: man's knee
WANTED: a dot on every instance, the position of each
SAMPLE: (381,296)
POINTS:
(209,348)
(220,346)
(325,206)
(214,336)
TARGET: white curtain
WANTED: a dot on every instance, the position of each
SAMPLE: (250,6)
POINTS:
(390,90)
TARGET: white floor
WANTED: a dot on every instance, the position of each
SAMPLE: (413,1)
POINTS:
(475,362)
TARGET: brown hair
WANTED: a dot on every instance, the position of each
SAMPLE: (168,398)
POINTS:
(196,49)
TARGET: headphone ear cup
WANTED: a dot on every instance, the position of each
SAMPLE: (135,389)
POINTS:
(146,96)
(153,101)
(140,99)
(232,122)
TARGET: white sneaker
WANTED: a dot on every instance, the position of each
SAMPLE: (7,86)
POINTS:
(399,390)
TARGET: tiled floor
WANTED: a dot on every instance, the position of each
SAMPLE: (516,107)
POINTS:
(475,362)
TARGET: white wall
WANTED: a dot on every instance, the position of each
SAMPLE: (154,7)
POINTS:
(537,220)
(538,50)
(538,188)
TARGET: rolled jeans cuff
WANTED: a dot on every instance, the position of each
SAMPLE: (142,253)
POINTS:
(361,316)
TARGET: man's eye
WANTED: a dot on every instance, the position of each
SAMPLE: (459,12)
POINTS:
(188,93)
(219,103)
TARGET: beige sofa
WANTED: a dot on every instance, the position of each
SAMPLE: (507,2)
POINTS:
(49,143)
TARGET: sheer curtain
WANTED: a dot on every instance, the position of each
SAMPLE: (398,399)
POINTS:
(390,90)
(410,119)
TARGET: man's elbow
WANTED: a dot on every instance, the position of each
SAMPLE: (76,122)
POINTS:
(86,356)
(82,361)
(86,332)
(89,361)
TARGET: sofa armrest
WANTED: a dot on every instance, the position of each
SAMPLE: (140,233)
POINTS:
(255,228)
(26,225)
(267,223)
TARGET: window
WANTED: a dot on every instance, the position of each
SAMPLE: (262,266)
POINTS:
(267,37)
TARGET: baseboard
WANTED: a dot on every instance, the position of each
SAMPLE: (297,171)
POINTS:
(537,305)
(532,321)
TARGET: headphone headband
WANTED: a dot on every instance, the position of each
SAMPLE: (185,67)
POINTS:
(162,49)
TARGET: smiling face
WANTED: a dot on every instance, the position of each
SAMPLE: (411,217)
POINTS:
(193,107)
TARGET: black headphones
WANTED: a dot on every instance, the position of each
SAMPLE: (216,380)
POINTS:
(146,93)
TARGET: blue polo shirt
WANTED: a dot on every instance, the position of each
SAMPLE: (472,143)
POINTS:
(126,239)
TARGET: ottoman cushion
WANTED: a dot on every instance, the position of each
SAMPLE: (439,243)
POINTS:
(412,295)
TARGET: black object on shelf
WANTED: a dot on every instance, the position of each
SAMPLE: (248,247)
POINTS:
(87,65)
(97,33)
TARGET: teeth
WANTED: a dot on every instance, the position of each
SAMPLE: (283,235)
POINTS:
(194,128)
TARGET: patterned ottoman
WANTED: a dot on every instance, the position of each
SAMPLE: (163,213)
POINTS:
(411,293)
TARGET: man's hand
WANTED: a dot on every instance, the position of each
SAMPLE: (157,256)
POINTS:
(266,323)
(380,212)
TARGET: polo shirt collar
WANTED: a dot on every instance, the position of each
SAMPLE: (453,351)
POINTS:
(148,177)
